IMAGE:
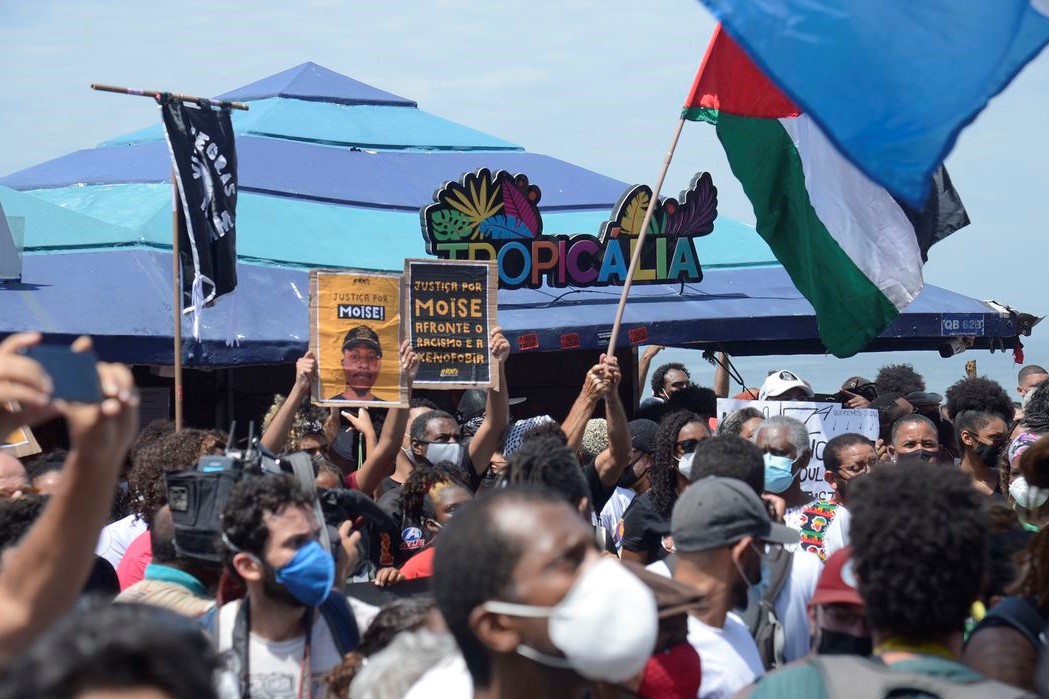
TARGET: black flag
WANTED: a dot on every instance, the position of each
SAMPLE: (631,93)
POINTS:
(200,139)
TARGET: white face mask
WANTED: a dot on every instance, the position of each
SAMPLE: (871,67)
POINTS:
(1027,496)
(437,452)
(684,464)
(579,625)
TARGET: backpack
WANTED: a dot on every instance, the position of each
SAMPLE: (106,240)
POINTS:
(1021,614)
(760,615)
(855,677)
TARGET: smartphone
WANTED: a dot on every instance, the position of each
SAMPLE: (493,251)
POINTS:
(74,374)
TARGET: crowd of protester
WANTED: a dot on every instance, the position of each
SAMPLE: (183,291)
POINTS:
(446,550)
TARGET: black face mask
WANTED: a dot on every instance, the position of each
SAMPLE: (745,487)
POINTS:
(630,477)
(989,453)
(836,643)
(925,454)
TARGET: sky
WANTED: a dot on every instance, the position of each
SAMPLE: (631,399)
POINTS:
(599,84)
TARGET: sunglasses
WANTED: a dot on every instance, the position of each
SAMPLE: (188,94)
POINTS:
(688,445)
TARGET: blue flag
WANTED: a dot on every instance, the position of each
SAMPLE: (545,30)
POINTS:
(891,82)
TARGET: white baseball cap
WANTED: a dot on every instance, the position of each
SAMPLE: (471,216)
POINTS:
(779,382)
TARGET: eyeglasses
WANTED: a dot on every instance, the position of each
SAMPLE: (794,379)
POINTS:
(369,359)
(688,445)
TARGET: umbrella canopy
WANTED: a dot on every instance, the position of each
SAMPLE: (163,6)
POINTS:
(333,174)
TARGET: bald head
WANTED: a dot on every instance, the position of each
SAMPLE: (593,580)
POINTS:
(12,473)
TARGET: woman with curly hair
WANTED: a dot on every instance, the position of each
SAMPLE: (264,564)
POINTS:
(647,520)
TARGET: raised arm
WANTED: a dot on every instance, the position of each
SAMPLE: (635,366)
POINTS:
(382,460)
(594,387)
(489,435)
(276,435)
(362,422)
(613,460)
(43,575)
(721,376)
(644,363)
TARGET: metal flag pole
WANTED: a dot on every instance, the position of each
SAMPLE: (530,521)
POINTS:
(176,285)
(641,238)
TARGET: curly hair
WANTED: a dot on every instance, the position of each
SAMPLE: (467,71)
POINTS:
(734,421)
(1036,411)
(697,399)
(419,484)
(407,614)
(730,456)
(1033,563)
(545,461)
(899,379)
(17,516)
(543,430)
(981,394)
(243,517)
(663,474)
(309,419)
(176,451)
(116,647)
(661,373)
(920,552)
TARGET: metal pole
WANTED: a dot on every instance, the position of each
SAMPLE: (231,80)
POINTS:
(155,94)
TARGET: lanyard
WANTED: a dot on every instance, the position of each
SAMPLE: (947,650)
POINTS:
(242,646)
(918,647)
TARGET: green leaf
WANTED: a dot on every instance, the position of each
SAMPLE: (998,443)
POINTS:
(450,225)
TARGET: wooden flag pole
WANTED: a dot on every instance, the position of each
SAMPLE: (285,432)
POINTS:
(641,239)
(176,284)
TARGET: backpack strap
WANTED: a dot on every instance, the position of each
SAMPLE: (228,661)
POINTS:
(856,677)
(336,612)
(671,561)
(780,563)
(1021,614)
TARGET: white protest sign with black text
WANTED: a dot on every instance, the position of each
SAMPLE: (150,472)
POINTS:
(824,422)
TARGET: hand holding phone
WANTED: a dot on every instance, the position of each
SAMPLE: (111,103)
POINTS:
(73,374)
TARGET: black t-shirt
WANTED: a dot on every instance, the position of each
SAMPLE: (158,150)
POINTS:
(644,528)
(599,494)
(397,547)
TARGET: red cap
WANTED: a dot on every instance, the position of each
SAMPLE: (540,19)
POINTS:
(672,673)
(837,583)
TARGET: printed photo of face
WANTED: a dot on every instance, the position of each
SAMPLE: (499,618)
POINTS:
(361,363)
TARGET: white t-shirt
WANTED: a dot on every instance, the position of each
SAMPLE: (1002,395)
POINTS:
(728,656)
(448,679)
(837,536)
(275,666)
(114,538)
(612,514)
(792,602)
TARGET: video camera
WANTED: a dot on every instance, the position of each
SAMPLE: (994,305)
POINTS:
(197,496)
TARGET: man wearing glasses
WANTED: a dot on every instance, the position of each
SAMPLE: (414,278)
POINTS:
(361,362)
(846,457)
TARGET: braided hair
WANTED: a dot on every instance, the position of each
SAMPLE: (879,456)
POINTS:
(663,476)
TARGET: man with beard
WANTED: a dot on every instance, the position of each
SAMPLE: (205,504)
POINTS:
(720,530)
(290,618)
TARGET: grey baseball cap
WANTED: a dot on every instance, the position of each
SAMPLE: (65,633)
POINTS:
(716,511)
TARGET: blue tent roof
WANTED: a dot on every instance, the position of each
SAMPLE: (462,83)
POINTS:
(333,174)
(312,82)
(123,299)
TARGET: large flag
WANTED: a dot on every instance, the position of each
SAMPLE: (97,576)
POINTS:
(200,139)
(851,249)
(891,82)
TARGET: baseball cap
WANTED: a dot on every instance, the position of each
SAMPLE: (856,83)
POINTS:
(718,511)
(643,435)
(923,399)
(779,382)
(473,402)
(362,335)
(837,582)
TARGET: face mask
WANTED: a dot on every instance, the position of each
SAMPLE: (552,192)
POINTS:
(310,575)
(579,628)
(444,451)
(778,476)
(836,643)
(989,452)
(1027,496)
(925,454)
(756,592)
(684,465)
(630,475)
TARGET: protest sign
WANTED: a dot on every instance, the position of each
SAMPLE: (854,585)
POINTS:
(824,422)
(21,443)
(355,334)
(451,308)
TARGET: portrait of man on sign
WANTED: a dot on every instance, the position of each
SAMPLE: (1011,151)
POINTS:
(361,362)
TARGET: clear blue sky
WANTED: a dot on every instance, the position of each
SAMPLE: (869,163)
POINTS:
(599,84)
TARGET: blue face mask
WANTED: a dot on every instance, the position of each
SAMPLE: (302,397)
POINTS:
(310,575)
(778,476)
